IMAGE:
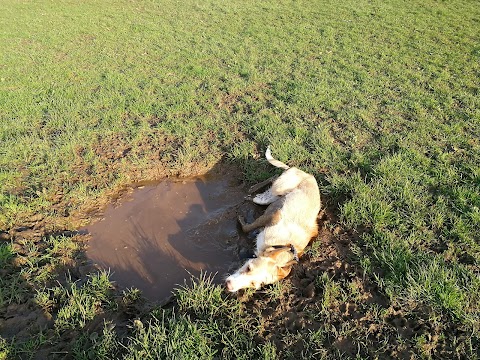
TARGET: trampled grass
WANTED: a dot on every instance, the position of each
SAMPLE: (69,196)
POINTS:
(379,99)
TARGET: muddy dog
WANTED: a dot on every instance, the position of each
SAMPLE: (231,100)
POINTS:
(289,223)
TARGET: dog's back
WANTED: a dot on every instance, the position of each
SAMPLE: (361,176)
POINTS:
(289,223)
(299,206)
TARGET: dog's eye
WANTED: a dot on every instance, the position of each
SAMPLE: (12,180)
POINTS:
(248,269)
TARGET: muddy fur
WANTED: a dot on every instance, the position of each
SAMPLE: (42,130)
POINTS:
(288,225)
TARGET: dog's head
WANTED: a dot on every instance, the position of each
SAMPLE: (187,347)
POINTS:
(272,265)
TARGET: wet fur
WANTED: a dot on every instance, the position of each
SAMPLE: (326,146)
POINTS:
(290,219)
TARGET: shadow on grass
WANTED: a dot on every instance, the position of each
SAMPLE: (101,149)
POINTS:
(44,276)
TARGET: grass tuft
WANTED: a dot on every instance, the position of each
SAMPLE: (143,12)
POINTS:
(102,346)
(172,338)
(6,254)
(80,304)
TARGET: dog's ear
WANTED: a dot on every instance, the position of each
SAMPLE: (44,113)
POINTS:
(283,271)
(290,263)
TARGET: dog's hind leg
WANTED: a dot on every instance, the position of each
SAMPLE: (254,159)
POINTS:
(288,181)
(261,221)
(285,183)
(256,187)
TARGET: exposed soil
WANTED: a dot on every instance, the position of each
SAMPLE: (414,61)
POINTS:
(304,308)
(357,319)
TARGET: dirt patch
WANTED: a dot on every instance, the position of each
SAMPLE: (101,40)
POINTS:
(329,308)
(162,233)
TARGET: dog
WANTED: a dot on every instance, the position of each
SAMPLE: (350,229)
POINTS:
(289,223)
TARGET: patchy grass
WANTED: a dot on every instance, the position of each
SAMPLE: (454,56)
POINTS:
(94,346)
(6,254)
(205,325)
(78,305)
(179,338)
(378,99)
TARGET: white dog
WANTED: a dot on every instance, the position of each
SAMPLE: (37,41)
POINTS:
(289,223)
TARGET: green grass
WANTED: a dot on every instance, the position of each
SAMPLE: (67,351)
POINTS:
(210,325)
(95,346)
(179,338)
(6,254)
(378,99)
(80,304)
(331,291)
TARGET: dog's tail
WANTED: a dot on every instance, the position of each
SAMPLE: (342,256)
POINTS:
(275,162)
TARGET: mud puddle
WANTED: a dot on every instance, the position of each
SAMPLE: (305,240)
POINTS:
(164,232)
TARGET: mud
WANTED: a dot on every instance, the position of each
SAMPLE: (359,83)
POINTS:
(164,232)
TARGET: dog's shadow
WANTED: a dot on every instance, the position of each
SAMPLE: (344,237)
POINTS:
(208,239)
(216,244)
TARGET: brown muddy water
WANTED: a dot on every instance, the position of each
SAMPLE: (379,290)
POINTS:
(160,234)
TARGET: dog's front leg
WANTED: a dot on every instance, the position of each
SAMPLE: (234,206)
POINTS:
(270,217)
(260,222)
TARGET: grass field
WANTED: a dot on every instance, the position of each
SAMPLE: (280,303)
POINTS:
(378,99)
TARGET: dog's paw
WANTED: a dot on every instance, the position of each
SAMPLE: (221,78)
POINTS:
(265,198)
